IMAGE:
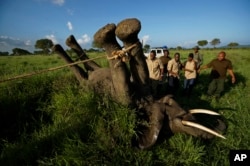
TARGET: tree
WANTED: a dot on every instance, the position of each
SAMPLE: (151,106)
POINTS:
(202,43)
(4,53)
(215,42)
(44,44)
(233,44)
(19,51)
(179,48)
(146,47)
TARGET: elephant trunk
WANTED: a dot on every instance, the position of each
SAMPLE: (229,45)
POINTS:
(150,134)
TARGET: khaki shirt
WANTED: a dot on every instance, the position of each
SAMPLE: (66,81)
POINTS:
(198,58)
(154,68)
(173,66)
(165,60)
(191,66)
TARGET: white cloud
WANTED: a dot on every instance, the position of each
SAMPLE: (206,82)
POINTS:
(84,39)
(70,12)
(58,2)
(4,37)
(27,43)
(52,37)
(7,43)
(70,26)
(145,39)
(187,44)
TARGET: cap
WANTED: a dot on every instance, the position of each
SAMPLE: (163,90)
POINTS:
(164,47)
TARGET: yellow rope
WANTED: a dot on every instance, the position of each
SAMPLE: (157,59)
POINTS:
(116,54)
(122,53)
(50,69)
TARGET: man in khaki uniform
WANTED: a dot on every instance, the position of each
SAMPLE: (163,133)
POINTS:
(190,74)
(174,67)
(198,57)
(165,59)
(155,68)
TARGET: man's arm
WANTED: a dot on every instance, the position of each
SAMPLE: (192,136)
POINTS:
(201,59)
(161,67)
(230,71)
(202,68)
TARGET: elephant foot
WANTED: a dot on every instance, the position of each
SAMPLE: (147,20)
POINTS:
(72,43)
(127,31)
(78,71)
(105,38)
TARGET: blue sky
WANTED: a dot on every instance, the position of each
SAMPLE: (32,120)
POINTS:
(164,22)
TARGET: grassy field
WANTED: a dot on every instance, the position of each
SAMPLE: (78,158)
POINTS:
(48,119)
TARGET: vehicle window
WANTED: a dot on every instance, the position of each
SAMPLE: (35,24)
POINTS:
(158,51)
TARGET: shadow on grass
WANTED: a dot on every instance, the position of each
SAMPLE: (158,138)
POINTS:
(20,109)
(199,98)
(32,151)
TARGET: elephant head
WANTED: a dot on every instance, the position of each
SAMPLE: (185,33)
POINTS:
(167,112)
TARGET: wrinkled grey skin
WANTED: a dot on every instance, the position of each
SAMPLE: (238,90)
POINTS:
(131,87)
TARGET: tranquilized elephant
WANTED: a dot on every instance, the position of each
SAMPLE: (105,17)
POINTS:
(132,86)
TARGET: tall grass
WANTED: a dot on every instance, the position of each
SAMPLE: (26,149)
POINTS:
(49,119)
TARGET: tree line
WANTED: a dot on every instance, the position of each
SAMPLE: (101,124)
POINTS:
(44,47)
(215,42)
(201,43)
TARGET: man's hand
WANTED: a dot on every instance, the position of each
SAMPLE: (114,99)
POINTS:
(233,80)
(161,76)
(189,70)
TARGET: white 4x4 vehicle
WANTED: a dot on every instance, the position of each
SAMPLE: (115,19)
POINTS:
(158,50)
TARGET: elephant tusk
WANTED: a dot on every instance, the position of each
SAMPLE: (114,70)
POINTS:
(194,111)
(198,126)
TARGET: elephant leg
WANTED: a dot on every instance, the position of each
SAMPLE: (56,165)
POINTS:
(105,38)
(127,31)
(78,71)
(72,43)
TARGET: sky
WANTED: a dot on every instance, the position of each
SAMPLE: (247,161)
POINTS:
(168,23)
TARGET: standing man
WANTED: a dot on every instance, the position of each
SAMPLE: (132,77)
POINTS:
(155,68)
(165,59)
(190,74)
(198,57)
(220,67)
(174,66)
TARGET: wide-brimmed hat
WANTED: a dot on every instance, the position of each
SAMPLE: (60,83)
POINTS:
(196,48)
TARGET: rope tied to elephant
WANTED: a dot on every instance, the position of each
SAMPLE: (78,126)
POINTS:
(122,53)
(116,54)
(50,69)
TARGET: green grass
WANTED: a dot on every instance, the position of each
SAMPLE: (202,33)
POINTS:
(49,119)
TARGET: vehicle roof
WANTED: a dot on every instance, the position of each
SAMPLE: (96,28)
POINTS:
(156,48)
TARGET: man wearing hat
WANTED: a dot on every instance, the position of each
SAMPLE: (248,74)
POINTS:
(198,58)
